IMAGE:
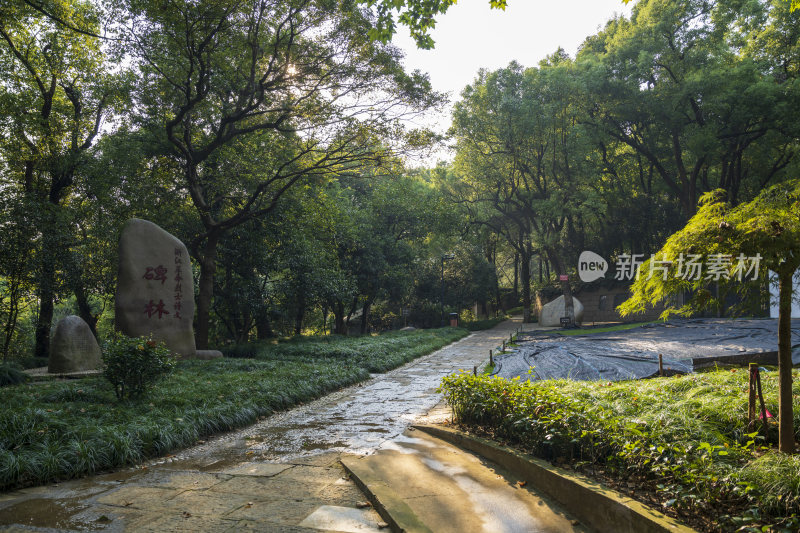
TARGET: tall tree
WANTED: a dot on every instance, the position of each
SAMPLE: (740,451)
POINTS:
(683,83)
(522,151)
(252,98)
(53,99)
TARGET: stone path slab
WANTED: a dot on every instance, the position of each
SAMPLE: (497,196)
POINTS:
(444,489)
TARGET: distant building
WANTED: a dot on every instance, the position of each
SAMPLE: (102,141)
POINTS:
(773,300)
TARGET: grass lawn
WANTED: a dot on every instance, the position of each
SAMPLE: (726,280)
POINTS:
(679,444)
(589,330)
(60,430)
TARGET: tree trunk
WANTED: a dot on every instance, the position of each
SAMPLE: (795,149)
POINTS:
(84,309)
(785,409)
(300,314)
(566,288)
(298,320)
(541,280)
(75,278)
(45,318)
(351,312)
(525,282)
(47,283)
(243,335)
(365,316)
(498,298)
(208,267)
(338,319)
(11,320)
(263,326)
(516,278)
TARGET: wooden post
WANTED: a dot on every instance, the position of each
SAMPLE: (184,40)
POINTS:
(764,420)
(475,370)
(491,359)
(504,346)
(660,365)
(751,399)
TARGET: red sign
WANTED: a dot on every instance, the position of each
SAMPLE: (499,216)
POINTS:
(563,277)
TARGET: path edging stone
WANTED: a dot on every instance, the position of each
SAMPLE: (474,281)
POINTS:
(593,504)
(384,500)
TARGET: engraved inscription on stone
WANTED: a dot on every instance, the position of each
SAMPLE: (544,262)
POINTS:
(154,267)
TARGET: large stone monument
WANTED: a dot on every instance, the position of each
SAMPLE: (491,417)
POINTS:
(155,290)
(73,347)
(552,312)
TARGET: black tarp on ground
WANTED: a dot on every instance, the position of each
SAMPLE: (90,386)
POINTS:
(633,353)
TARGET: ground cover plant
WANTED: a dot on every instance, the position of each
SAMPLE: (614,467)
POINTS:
(59,430)
(680,444)
(10,375)
(489,323)
(588,330)
(375,354)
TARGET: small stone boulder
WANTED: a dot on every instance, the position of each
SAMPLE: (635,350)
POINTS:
(207,355)
(73,347)
(155,291)
(552,312)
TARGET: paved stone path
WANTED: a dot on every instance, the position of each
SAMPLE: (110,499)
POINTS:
(281,475)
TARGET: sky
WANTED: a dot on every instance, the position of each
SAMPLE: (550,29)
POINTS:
(471,36)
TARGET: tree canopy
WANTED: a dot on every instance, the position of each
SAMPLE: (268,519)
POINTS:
(270,138)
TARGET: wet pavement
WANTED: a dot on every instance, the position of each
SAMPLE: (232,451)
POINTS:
(282,474)
(633,353)
(448,489)
(356,419)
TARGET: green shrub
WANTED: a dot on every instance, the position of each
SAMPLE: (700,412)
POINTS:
(11,376)
(132,364)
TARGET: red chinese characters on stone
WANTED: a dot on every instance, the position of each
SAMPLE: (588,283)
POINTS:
(152,308)
(178,278)
(158,273)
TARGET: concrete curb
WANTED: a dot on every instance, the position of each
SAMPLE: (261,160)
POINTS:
(384,500)
(596,506)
